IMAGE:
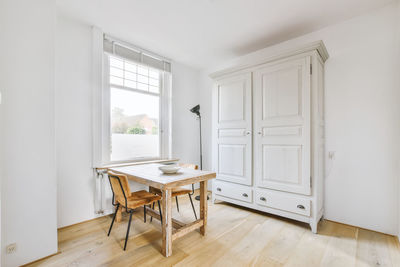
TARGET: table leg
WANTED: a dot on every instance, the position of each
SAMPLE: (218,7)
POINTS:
(203,206)
(166,223)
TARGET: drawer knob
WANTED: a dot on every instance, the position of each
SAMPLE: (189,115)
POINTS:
(245,195)
(300,207)
(218,189)
(263,199)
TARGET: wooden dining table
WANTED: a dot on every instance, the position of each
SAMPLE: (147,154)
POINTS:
(150,175)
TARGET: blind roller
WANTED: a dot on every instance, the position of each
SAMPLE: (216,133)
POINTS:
(128,52)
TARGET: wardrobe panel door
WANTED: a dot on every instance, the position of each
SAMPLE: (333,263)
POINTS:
(232,102)
(282,124)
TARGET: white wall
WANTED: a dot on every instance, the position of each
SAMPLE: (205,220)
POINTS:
(398,86)
(28,142)
(362,117)
(185,125)
(206,85)
(76,183)
(73,120)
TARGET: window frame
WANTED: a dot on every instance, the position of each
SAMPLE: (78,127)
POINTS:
(164,113)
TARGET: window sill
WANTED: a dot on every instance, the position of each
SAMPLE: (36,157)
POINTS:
(106,166)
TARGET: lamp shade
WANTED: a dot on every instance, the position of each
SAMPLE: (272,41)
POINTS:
(196,110)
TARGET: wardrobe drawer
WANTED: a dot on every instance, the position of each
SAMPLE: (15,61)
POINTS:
(284,202)
(234,191)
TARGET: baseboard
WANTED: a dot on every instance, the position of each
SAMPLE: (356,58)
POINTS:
(398,237)
(74,224)
(51,255)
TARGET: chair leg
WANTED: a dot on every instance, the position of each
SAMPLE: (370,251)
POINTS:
(144,213)
(129,227)
(112,222)
(177,205)
(191,202)
(151,218)
(159,208)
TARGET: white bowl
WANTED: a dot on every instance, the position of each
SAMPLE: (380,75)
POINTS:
(169,169)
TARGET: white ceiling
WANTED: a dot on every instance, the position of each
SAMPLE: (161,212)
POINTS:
(201,33)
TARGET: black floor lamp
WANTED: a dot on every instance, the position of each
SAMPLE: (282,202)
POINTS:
(196,110)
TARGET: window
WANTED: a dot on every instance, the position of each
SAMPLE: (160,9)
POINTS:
(136,98)
(134,91)
(131,102)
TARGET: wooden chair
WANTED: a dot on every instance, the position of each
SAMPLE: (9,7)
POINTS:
(178,191)
(123,196)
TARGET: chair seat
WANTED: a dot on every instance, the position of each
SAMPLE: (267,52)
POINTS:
(139,198)
(178,191)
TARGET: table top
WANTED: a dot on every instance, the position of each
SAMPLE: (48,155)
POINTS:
(113,165)
(149,174)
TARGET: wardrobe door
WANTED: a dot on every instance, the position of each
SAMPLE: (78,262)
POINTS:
(232,119)
(282,125)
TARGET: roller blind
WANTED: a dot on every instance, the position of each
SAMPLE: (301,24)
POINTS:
(132,53)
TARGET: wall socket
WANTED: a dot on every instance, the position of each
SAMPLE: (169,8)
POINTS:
(12,248)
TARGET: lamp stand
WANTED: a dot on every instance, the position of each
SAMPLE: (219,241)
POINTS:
(201,155)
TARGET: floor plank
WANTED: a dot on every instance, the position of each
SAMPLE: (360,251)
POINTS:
(235,237)
(310,245)
(282,246)
(372,249)
(342,246)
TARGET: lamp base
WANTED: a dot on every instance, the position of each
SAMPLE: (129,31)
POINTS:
(198,198)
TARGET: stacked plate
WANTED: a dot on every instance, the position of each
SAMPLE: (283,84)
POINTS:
(170,168)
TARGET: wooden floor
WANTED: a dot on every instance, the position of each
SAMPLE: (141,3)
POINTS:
(235,237)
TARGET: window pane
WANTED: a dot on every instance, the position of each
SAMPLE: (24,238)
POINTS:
(153,82)
(134,125)
(116,80)
(133,75)
(116,72)
(130,67)
(154,74)
(130,84)
(142,86)
(143,70)
(130,76)
(143,79)
(154,89)
(115,62)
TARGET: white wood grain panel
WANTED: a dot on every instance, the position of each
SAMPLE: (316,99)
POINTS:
(234,191)
(281,92)
(282,164)
(231,101)
(283,202)
(232,149)
(282,119)
(282,131)
(231,132)
(231,160)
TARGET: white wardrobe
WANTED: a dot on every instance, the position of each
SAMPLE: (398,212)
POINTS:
(268,134)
